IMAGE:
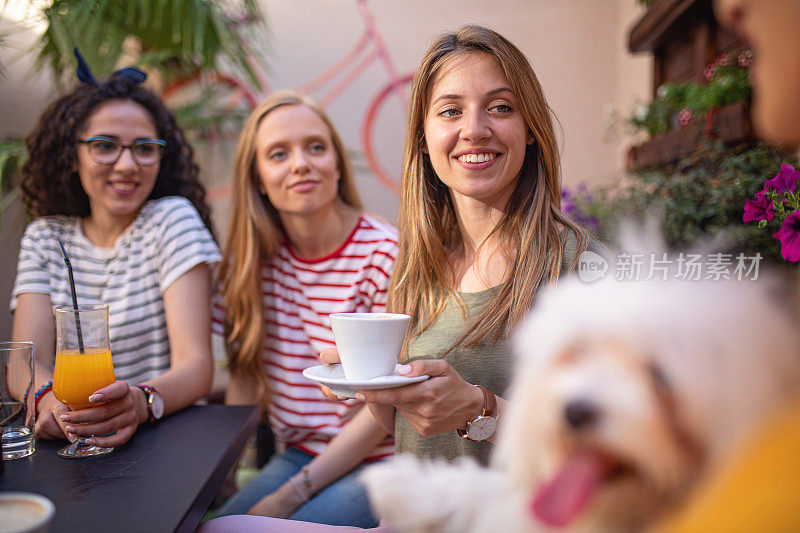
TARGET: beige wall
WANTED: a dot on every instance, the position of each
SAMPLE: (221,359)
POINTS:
(22,97)
(633,77)
(577,48)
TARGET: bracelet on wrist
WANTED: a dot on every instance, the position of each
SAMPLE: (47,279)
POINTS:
(44,389)
(303,485)
(307,481)
(300,492)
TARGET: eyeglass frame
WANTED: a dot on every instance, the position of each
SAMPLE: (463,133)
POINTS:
(161,142)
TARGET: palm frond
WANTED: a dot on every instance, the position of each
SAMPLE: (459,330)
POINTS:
(2,67)
(12,155)
(191,34)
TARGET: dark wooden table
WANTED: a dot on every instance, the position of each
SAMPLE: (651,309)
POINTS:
(162,480)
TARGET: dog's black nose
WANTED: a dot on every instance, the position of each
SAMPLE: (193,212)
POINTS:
(580,414)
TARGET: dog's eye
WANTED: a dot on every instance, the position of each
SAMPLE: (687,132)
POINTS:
(658,375)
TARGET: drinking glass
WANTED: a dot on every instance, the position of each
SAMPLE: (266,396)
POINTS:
(83,365)
(17,416)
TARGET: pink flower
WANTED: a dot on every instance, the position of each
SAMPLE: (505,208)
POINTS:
(685,116)
(724,58)
(784,181)
(708,72)
(789,235)
(745,58)
(758,209)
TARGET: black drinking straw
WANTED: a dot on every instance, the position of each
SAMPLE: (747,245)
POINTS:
(74,297)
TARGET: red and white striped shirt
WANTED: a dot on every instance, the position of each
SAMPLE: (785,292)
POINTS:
(297,297)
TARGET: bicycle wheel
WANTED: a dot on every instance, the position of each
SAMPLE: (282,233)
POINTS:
(398,86)
(212,108)
(209,102)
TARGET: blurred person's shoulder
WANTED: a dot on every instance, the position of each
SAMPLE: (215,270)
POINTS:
(50,227)
(571,249)
(377,234)
(166,207)
(379,226)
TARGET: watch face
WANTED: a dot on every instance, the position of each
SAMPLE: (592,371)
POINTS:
(482,428)
(157,406)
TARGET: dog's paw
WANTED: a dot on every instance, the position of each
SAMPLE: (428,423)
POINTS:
(432,496)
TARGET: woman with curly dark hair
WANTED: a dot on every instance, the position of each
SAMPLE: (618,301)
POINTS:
(112,177)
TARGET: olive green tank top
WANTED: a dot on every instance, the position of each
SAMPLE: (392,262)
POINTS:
(485,364)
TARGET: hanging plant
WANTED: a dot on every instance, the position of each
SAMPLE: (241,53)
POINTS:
(175,39)
(678,104)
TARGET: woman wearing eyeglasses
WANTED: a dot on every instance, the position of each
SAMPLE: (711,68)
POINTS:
(111,175)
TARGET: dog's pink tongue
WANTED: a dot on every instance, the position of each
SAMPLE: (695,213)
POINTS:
(559,501)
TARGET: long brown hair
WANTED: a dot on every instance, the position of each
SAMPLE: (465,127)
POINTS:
(424,278)
(254,237)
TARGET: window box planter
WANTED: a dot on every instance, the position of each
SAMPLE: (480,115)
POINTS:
(730,124)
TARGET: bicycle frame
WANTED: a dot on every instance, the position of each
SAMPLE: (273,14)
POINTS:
(380,52)
(370,47)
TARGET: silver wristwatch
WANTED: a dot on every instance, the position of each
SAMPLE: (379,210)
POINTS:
(485,424)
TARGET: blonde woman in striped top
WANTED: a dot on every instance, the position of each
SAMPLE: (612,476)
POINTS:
(299,248)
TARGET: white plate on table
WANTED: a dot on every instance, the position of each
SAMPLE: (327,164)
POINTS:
(333,376)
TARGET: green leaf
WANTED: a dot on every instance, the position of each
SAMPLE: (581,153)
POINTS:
(12,155)
(178,38)
(194,33)
(700,197)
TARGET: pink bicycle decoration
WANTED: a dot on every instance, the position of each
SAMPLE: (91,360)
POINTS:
(369,48)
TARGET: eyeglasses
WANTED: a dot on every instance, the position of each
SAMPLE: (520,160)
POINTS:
(107,151)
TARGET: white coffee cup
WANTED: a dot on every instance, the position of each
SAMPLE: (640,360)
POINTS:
(25,512)
(369,343)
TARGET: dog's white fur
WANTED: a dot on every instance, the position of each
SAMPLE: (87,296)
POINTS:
(728,356)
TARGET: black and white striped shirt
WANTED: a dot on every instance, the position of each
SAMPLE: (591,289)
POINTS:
(165,240)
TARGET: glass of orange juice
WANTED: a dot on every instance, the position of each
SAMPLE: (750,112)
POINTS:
(83,365)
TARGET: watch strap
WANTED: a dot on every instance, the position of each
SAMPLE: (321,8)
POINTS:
(489,402)
(489,409)
(148,394)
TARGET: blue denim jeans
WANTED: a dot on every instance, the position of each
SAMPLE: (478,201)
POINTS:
(342,503)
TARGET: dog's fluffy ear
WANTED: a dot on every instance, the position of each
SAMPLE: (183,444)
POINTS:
(647,237)
(432,496)
(632,237)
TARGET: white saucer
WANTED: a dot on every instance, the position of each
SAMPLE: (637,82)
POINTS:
(333,377)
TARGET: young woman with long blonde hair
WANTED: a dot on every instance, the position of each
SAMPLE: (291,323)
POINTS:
(299,247)
(481,231)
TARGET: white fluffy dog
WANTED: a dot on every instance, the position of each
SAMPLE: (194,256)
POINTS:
(625,395)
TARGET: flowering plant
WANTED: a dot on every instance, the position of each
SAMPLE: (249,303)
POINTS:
(571,203)
(697,199)
(780,198)
(678,104)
